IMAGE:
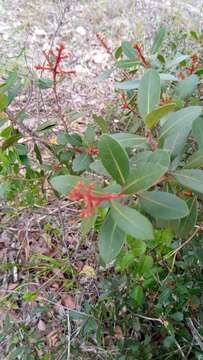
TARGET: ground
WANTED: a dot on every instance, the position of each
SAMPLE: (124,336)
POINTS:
(52,230)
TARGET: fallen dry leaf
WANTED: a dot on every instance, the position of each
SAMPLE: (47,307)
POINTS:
(68,301)
(41,325)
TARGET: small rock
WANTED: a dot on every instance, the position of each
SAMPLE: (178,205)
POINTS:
(81,30)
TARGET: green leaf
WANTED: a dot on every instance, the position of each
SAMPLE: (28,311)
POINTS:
(44,83)
(104,76)
(197,130)
(98,168)
(3,102)
(143,177)
(64,183)
(114,158)
(158,156)
(125,64)
(163,205)
(132,222)
(13,139)
(9,82)
(38,153)
(195,161)
(111,239)
(118,52)
(101,122)
(128,50)
(89,136)
(186,87)
(81,162)
(131,140)
(138,247)
(192,179)
(187,224)
(145,264)
(149,92)
(176,61)
(154,116)
(137,294)
(168,77)
(158,40)
(21,149)
(47,125)
(74,139)
(127,85)
(177,128)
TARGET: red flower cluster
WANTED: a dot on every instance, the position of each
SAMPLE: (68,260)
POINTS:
(138,47)
(91,200)
(92,150)
(195,63)
(54,59)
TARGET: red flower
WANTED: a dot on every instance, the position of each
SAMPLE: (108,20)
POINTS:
(125,106)
(54,59)
(92,150)
(138,48)
(91,200)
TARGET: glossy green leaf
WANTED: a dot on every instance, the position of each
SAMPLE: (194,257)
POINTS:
(163,205)
(3,102)
(132,222)
(111,239)
(187,224)
(158,156)
(128,140)
(97,167)
(137,294)
(195,161)
(13,139)
(138,247)
(149,92)
(47,125)
(153,118)
(128,50)
(125,64)
(197,130)
(101,122)
(177,128)
(145,264)
(127,85)
(158,40)
(104,76)
(168,77)
(143,177)
(114,158)
(192,179)
(81,162)
(176,61)
(64,183)
(186,87)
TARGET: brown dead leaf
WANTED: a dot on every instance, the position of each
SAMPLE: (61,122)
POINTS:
(52,338)
(118,332)
(68,301)
(41,325)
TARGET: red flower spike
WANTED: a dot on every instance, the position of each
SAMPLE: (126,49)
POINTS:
(125,106)
(91,200)
(195,63)
(54,60)
(92,150)
(139,49)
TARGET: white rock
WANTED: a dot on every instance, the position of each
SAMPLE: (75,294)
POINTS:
(100,58)
(81,30)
